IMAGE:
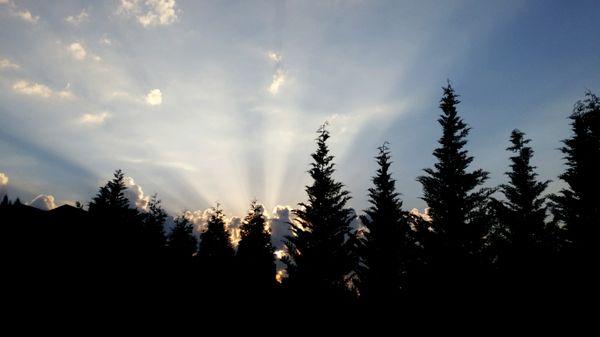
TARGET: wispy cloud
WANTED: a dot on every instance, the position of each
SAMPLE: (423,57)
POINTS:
(32,89)
(279,77)
(78,19)
(93,119)
(7,64)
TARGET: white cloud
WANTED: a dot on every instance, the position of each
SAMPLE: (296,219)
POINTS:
(32,89)
(66,95)
(7,64)
(105,41)
(77,19)
(26,16)
(93,119)
(3,179)
(279,223)
(150,12)
(423,215)
(154,97)
(77,51)
(278,80)
(43,201)
(273,56)
(135,194)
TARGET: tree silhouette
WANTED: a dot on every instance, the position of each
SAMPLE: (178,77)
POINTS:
(182,243)
(215,241)
(577,206)
(153,232)
(255,253)
(456,210)
(383,245)
(320,256)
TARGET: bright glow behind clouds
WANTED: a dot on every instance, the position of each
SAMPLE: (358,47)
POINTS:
(206,102)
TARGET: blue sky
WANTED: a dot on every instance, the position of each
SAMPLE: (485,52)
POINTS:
(218,101)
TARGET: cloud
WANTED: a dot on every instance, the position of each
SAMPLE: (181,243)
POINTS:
(43,201)
(105,40)
(7,64)
(77,19)
(278,80)
(32,89)
(150,13)
(154,97)
(3,179)
(135,194)
(26,16)
(66,94)
(279,223)
(77,51)
(279,77)
(423,215)
(93,119)
(3,2)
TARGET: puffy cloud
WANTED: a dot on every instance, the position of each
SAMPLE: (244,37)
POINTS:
(43,201)
(150,12)
(77,19)
(135,194)
(93,119)
(154,97)
(26,16)
(3,179)
(77,51)
(7,64)
(279,223)
(32,89)
(423,215)
(273,56)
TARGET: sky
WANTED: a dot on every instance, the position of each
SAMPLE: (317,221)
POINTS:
(207,102)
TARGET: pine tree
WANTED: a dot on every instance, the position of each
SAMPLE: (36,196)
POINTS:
(215,241)
(153,231)
(182,243)
(577,206)
(523,212)
(457,212)
(320,256)
(255,252)
(384,245)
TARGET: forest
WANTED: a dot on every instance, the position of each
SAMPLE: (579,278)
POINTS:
(513,243)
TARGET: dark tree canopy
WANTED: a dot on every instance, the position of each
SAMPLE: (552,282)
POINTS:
(577,205)
(255,252)
(182,243)
(215,241)
(383,245)
(320,248)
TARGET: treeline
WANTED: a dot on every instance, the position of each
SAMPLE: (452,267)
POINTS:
(511,242)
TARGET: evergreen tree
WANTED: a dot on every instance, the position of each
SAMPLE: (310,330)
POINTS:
(153,232)
(182,243)
(577,206)
(255,252)
(458,213)
(383,245)
(320,256)
(523,213)
(215,241)
(5,202)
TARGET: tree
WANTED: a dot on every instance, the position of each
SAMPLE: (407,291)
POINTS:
(384,244)
(458,213)
(182,243)
(320,257)
(153,231)
(577,206)
(523,212)
(255,252)
(215,241)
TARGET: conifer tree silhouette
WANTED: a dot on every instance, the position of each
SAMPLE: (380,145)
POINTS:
(215,241)
(455,209)
(255,253)
(321,258)
(182,243)
(523,212)
(384,244)
(577,206)
(153,231)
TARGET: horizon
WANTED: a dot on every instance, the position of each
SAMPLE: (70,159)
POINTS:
(230,113)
